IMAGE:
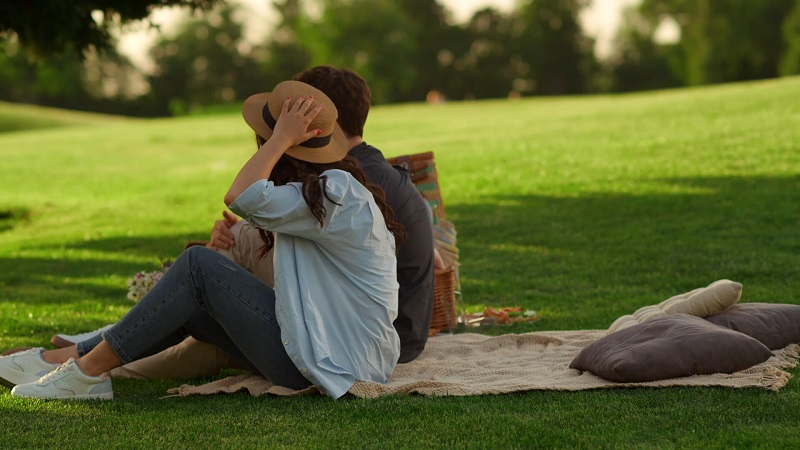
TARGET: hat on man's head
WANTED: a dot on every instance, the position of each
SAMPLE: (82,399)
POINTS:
(261,112)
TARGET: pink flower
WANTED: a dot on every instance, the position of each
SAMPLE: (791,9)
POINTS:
(141,283)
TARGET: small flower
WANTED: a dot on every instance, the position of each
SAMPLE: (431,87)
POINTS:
(141,283)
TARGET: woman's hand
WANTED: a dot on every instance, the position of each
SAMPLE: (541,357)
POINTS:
(291,129)
(292,125)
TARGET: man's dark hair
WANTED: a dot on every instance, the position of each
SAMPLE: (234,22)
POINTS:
(348,91)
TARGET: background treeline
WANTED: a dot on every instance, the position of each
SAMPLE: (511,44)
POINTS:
(410,50)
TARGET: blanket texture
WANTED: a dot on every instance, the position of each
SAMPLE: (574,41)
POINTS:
(474,364)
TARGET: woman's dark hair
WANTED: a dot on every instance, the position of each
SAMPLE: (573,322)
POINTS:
(289,169)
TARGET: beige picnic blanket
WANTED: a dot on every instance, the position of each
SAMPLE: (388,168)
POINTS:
(475,364)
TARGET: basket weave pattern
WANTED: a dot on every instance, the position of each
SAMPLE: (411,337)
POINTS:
(423,172)
(444,317)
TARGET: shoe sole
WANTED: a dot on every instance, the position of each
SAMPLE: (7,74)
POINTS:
(10,384)
(14,350)
(107,396)
(3,381)
(7,383)
(60,342)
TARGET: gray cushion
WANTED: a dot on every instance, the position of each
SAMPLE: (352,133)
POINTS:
(774,325)
(678,345)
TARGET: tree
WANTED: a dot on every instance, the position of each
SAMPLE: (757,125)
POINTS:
(46,27)
(376,39)
(202,65)
(790,60)
(435,43)
(290,47)
(486,68)
(54,81)
(725,40)
(100,83)
(548,37)
(639,62)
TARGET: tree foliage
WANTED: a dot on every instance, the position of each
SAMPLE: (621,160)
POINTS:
(790,60)
(387,59)
(550,41)
(47,27)
(291,45)
(726,40)
(203,64)
(404,48)
(489,49)
(639,62)
(407,50)
(65,80)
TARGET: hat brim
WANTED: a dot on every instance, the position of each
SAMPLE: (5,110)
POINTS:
(253,111)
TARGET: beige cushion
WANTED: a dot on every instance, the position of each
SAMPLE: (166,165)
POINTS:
(703,302)
(700,302)
(678,345)
(774,325)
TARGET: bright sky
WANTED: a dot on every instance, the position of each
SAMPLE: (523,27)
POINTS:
(600,20)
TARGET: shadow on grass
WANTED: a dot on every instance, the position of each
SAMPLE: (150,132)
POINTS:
(9,218)
(593,258)
(66,278)
(69,292)
(583,261)
(159,247)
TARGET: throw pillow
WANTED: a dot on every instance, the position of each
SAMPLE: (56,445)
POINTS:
(774,325)
(700,302)
(703,302)
(678,345)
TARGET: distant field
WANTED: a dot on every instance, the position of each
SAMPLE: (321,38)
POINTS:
(581,208)
(16,117)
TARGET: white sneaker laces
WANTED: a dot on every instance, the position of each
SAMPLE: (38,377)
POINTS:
(58,370)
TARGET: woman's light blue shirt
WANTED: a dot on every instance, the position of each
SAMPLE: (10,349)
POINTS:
(335,284)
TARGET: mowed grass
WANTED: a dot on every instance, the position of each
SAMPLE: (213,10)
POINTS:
(582,209)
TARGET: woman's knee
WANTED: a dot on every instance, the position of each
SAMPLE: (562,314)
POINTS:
(200,257)
(198,252)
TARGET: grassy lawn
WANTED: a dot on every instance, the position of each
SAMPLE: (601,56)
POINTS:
(582,209)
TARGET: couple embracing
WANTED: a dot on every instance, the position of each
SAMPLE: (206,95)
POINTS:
(345,236)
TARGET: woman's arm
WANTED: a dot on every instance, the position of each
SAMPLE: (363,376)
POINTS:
(291,129)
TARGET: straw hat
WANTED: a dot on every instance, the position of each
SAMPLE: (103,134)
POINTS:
(261,111)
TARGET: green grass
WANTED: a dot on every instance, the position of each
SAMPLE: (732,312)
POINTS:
(583,209)
(14,117)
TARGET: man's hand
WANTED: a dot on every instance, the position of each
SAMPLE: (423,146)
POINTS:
(221,236)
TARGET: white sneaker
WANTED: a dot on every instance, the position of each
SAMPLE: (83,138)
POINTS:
(67,382)
(24,367)
(66,340)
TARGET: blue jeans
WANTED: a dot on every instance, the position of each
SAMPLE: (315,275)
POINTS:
(214,300)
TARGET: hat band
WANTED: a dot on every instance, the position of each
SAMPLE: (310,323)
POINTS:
(315,142)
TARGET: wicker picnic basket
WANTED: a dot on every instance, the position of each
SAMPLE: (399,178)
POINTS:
(445,316)
(445,282)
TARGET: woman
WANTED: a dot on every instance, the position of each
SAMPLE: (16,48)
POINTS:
(329,319)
